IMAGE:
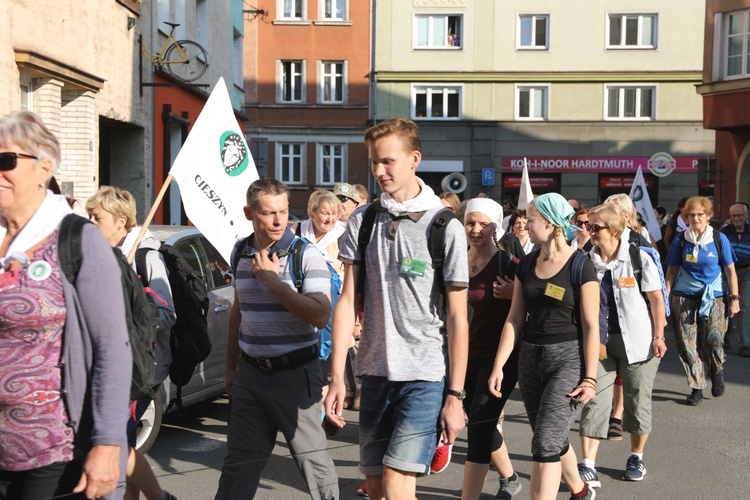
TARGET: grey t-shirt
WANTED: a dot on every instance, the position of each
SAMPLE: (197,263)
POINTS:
(404,334)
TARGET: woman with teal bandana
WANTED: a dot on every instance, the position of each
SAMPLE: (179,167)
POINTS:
(555,317)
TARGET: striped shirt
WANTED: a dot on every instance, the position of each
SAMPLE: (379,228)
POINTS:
(268,328)
(740,243)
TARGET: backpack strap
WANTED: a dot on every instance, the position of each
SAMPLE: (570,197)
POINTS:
(363,239)
(436,244)
(69,245)
(238,249)
(296,250)
(140,265)
(635,260)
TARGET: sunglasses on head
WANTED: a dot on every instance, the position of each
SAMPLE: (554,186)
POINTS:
(8,161)
(595,228)
(581,223)
(344,199)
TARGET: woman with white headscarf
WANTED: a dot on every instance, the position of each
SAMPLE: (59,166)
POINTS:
(490,292)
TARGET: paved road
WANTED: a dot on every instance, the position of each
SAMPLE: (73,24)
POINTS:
(701,452)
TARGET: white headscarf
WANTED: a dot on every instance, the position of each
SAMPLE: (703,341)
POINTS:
(47,217)
(491,209)
(425,200)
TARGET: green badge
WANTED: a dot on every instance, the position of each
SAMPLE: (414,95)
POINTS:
(412,267)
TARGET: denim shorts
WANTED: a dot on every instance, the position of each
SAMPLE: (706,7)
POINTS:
(398,424)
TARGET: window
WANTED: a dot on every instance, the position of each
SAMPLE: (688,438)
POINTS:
(332,165)
(630,102)
(532,102)
(436,102)
(332,82)
(203,27)
(291,9)
(291,88)
(737,31)
(533,31)
(290,163)
(438,32)
(334,10)
(632,31)
(26,94)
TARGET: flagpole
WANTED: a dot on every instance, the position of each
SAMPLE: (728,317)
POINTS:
(149,217)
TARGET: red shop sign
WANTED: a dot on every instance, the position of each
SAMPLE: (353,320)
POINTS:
(623,181)
(547,182)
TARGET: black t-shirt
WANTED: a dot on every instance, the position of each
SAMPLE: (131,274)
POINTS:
(551,320)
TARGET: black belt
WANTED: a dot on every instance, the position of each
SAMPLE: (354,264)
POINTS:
(287,361)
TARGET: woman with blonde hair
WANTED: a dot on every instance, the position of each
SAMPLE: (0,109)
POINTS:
(323,227)
(554,316)
(627,208)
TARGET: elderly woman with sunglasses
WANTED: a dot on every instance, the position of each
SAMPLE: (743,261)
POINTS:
(634,342)
(700,277)
(554,316)
(66,359)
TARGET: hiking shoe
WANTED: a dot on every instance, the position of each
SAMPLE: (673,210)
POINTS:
(590,495)
(589,476)
(441,458)
(509,487)
(362,491)
(744,352)
(615,429)
(635,469)
(717,384)
(695,398)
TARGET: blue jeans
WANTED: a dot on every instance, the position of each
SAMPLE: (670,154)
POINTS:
(398,424)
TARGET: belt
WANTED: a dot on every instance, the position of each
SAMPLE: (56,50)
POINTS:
(288,361)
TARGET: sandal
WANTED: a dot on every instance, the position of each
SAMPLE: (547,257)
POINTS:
(615,429)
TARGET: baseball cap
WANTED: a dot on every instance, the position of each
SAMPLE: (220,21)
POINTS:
(346,190)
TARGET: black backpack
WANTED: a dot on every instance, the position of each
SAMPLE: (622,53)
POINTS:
(189,342)
(140,313)
(435,245)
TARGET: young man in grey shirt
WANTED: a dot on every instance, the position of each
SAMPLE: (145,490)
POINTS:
(412,354)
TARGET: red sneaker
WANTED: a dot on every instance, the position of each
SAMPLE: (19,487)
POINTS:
(441,458)
(362,491)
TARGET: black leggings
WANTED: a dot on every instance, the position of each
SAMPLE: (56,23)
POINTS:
(483,408)
(42,483)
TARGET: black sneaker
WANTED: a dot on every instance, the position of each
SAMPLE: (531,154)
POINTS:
(744,352)
(509,487)
(695,398)
(717,384)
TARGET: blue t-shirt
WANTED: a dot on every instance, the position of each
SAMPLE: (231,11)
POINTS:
(708,264)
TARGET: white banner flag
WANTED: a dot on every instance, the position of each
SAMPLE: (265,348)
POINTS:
(214,168)
(525,196)
(639,195)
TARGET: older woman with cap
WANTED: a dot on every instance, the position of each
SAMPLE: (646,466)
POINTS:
(63,339)
(554,315)
(348,198)
(491,271)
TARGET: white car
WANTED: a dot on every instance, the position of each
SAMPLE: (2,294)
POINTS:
(208,379)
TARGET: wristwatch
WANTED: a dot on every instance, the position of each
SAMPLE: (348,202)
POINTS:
(461,395)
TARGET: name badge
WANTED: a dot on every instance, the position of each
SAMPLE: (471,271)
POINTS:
(8,281)
(554,291)
(412,267)
(626,282)
(691,258)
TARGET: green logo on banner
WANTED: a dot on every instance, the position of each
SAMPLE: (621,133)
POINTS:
(638,193)
(233,153)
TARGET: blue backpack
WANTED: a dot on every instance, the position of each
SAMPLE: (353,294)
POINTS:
(295,252)
(635,259)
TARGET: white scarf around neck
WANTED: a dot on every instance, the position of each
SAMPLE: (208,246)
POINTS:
(45,220)
(702,242)
(307,231)
(425,200)
(127,245)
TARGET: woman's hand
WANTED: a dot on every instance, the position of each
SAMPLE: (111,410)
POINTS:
(734,307)
(584,393)
(502,288)
(495,382)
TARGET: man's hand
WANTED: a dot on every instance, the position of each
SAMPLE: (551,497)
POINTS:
(452,419)
(265,267)
(101,471)
(334,403)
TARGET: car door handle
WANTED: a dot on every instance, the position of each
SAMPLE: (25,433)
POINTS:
(221,308)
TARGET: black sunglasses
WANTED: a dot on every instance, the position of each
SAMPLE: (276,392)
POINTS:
(581,223)
(8,161)
(344,199)
(595,228)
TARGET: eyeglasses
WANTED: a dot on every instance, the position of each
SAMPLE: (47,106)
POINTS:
(737,215)
(595,228)
(581,223)
(690,216)
(8,161)
(344,199)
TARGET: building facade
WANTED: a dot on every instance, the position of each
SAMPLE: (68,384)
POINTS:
(725,91)
(307,86)
(585,92)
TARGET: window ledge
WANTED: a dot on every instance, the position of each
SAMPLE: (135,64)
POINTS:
(439,48)
(290,22)
(629,47)
(326,22)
